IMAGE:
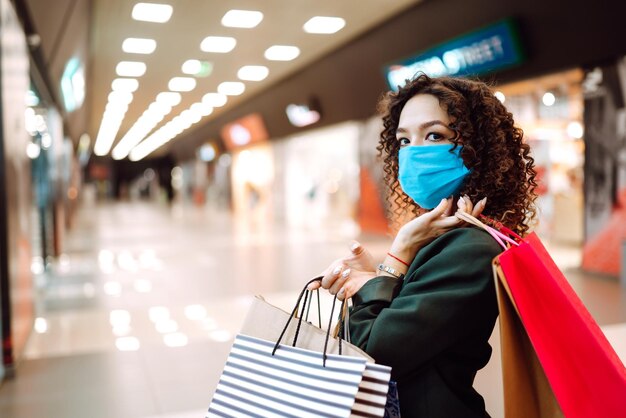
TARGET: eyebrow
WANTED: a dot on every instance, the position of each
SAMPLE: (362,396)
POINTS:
(428,124)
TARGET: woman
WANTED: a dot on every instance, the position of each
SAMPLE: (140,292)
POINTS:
(429,308)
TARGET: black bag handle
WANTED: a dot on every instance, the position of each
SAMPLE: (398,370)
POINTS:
(305,293)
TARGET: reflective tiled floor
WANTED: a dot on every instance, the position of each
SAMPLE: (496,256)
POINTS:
(137,317)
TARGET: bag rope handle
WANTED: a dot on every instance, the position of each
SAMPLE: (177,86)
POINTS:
(496,234)
(305,293)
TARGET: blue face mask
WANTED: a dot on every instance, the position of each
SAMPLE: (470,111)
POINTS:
(430,173)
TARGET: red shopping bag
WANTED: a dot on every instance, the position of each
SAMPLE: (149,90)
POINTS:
(585,374)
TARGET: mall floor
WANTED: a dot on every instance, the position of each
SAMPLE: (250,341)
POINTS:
(137,316)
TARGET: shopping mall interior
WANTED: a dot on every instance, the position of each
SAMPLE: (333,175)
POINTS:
(164,163)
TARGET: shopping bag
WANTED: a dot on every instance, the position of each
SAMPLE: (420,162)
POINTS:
(584,373)
(266,321)
(290,382)
(278,388)
(527,392)
(555,359)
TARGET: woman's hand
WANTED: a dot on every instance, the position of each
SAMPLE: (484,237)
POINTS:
(345,276)
(420,231)
(465,205)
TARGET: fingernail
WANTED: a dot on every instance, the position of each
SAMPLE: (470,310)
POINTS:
(484,201)
(336,270)
(461,202)
(342,291)
(355,246)
(346,273)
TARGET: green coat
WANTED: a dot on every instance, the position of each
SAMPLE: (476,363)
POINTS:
(433,328)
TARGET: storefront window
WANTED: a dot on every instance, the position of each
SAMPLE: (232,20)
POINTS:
(550,111)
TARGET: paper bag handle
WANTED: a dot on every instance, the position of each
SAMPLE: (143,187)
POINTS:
(304,293)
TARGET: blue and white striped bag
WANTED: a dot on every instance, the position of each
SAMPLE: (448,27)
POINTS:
(291,383)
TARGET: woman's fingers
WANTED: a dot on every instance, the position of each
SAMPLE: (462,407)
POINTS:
(449,222)
(356,248)
(480,206)
(315,285)
(341,279)
(331,277)
(438,210)
(469,205)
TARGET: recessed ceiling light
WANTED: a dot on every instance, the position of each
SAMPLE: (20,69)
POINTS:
(201,108)
(152,12)
(214,99)
(324,24)
(253,72)
(130,69)
(219,44)
(120,97)
(125,84)
(197,68)
(139,45)
(242,18)
(282,53)
(231,88)
(182,84)
(169,97)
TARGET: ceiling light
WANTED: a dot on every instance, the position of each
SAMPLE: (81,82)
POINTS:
(197,68)
(120,97)
(169,97)
(130,69)
(253,73)
(282,53)
(182,84)
(219,44)
(500,96)
(202,109)
(214,99)
(242,18)
(322,24)
(548,99)
(159,108)
(231,88)
(151,12)
(139,45)
(125,84)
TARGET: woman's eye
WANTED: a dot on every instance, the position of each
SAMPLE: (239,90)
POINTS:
(434,137)
(404,141)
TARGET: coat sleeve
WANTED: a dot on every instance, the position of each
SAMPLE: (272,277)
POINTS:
(441,302)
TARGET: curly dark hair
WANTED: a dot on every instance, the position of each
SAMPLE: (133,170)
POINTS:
(493,149)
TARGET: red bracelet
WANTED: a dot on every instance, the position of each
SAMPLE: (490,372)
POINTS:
(396,258)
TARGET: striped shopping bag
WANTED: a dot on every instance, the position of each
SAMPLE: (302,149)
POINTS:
(371,398)
(289,383)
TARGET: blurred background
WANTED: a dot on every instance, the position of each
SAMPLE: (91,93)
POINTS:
(163,162)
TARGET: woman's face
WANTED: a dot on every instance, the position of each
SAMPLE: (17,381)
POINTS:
(424,122)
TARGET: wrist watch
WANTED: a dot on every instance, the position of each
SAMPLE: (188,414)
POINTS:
(395,273)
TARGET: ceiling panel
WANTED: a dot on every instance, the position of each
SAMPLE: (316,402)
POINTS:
(193,20)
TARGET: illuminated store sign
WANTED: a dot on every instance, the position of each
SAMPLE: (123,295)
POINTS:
(304,114)
(492,48)
(73,85)
(247,130)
